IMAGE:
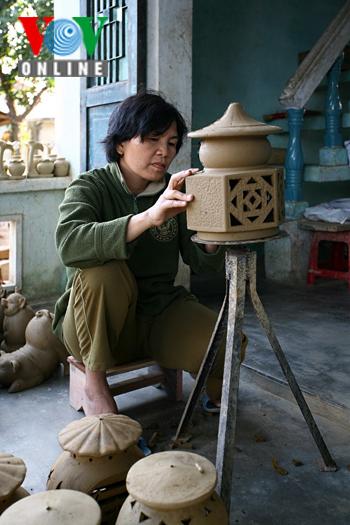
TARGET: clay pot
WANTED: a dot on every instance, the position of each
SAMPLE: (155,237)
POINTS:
(61,167)
(53,507)
(16,168)
(98,452)
(12,474)
(172,488)
(238,196)
(45,168)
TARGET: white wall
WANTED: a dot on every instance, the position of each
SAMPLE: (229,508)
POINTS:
(67,100)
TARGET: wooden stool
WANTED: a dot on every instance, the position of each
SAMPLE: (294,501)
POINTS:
(169,378)
(339,236)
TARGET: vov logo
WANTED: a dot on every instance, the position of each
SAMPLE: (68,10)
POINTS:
(63,37)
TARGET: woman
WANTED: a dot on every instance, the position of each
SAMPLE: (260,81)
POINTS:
(120,232)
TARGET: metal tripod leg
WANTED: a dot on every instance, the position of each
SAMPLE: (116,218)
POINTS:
(205,368)
(265,323)
(236,273)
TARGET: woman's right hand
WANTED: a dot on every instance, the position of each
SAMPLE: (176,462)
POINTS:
(172,201)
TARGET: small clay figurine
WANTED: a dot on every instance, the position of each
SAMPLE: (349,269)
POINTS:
(17,315)
(36,360)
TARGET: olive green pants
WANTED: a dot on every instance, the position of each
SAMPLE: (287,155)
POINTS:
(101,327)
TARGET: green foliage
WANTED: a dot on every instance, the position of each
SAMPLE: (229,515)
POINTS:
(21,94)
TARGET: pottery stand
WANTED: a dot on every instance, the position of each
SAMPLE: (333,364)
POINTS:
(172,488)
(53,507)
(238,201)
(98,452)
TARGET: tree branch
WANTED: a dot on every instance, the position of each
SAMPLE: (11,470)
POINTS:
(36,99)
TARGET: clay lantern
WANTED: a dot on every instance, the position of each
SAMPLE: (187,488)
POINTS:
(12,474)
(172,488)
(237,196)
(98,452)
(53,507)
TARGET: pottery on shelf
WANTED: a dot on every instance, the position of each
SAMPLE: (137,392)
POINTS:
(4,146)
(171,488)
(238,196)
(53,507)
(12,474)
(45,168)
(32,158)
(61,167)
(16,167)
(98,452)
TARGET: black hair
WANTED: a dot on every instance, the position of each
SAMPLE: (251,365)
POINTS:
(138,116)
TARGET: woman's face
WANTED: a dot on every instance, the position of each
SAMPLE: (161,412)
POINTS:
(147,161)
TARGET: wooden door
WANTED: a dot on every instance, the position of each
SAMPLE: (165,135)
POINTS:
(123,45)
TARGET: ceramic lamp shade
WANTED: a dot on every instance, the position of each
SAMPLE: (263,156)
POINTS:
(12,474)
(98,453)
(54,507)
(237,196)
(172,488)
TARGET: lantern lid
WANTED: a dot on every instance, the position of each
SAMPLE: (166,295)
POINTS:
(54,507)
(171,480)
(234,122)
(100,435)
(12,473)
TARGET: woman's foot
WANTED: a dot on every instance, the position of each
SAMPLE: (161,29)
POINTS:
(98,398)
(210,406)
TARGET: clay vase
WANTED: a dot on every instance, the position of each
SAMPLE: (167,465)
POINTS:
(237,196)
(12,474)
(16,168)
(61,167)
(53,507)
(98,452)
(45,168)
(171,488)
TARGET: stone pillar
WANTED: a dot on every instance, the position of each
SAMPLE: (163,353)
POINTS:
(169,70)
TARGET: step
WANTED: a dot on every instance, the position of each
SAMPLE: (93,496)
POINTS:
(316,173)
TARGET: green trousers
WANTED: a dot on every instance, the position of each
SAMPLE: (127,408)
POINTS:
(101,327)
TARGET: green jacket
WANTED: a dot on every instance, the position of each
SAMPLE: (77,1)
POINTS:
(92,230)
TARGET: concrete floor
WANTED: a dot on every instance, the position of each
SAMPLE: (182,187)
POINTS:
(312,326)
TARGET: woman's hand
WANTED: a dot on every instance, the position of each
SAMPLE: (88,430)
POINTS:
(172,201)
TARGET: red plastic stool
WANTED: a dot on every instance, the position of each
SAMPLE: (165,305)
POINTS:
(340,260)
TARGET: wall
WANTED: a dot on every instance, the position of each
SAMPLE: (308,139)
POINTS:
(246,51)
(37,200)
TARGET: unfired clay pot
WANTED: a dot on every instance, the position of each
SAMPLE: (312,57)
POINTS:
(36,361)
(16,167)
(12,474)
(98,452)
(238,196)
(45,168)
(172,488)
(61,167)
(17,314)
(54,507)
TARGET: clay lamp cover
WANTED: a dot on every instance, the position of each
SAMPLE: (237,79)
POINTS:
(53,507)
(235,139)
(97,436)
(171,480)
(12,473)
(235,121)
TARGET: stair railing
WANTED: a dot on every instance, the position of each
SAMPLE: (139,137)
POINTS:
(323,58)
